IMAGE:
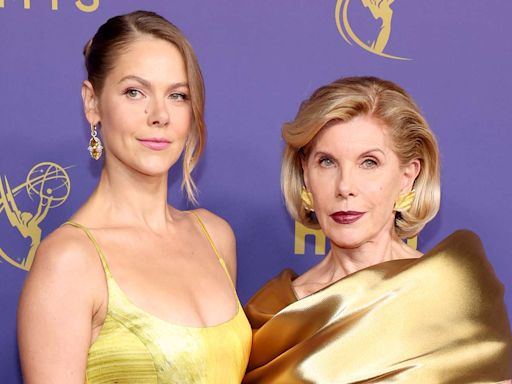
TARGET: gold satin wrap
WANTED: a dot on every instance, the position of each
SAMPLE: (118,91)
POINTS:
(440,318)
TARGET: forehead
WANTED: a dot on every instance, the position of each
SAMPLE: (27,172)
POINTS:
(149,57)
(359,134)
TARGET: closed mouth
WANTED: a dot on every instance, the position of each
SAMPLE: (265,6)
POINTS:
(346,217)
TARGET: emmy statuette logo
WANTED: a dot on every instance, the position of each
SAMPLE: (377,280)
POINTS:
(48,186)
(379,10)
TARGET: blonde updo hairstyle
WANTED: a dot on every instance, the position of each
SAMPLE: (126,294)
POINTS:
(111,40)
(386,102)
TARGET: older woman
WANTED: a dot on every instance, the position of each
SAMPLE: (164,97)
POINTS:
(362,164)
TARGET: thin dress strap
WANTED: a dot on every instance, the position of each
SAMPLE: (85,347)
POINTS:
(95,243)
(221,260)
(205,231)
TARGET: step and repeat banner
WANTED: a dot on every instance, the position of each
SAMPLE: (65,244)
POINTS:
(259,60)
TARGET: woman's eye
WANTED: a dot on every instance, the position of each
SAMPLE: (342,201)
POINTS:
(179,96)
(326,162)
(133,93)
(369,163)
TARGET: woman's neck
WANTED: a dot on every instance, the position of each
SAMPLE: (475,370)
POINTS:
(383,247)
(341,262)
(125,197)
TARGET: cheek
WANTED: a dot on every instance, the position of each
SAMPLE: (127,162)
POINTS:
(114,117)
(323,189)
(386,194)
(183,122)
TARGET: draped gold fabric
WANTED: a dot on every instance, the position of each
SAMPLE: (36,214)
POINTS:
(440,318)
(136,347)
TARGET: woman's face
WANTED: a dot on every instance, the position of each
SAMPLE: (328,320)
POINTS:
(144,107)
(355,178)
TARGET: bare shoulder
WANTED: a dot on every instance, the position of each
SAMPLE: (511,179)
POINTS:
(66,251)
(66,267)
(222,236)
(214,222)
(60,295)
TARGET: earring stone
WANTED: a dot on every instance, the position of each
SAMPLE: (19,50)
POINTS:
(95,148)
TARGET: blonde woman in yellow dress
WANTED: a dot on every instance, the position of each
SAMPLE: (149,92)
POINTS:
(362,164)
(131,289)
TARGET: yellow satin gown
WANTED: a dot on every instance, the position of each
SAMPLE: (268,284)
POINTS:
(438,319)
(136,347)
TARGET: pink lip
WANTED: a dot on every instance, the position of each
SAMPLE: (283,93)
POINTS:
(346,217)
(155,143)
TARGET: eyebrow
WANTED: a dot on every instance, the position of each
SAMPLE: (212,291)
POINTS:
(373,150)
(148,84)
(365,153)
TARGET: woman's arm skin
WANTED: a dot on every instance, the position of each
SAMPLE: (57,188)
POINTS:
(58,309)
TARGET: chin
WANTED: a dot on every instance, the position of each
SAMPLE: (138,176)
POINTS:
(347,243)
(154,167)
(347,238)
(153,170)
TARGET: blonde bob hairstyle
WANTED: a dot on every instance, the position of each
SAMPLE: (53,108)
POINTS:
(111,40)
(386,102)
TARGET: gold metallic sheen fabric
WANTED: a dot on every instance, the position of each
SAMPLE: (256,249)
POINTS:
(136,347)
(440,318)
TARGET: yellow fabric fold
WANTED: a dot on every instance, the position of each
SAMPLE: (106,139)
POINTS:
(440,318)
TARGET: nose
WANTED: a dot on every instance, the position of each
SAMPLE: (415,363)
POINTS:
(158,113)
(346,183)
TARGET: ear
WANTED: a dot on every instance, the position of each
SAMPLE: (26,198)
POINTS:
(90,102)
(409,174)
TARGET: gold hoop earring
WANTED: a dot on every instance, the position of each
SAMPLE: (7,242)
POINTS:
(404,201)
(95,148)
(307,200)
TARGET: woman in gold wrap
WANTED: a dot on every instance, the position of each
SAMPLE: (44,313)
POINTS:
(133,290)
(362,164)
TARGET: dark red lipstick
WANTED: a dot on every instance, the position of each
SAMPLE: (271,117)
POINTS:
(346,217)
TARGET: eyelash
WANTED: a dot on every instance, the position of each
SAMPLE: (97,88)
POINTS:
(373,163)
(129,92)
(182,96)
(367,163)
(133,93)
(322,161)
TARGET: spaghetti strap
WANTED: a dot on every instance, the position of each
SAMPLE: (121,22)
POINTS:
(205,231)
(94,242)
(210,240)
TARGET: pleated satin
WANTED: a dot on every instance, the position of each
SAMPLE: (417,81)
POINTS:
(136,347)
(440,318)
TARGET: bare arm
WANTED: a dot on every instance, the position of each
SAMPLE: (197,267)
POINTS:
(56,310)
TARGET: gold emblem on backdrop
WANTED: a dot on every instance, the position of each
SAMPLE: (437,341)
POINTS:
(301,231)
(379,10)
(47,186)
(79,4)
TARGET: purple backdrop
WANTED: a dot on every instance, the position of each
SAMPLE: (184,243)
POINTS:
(259,60)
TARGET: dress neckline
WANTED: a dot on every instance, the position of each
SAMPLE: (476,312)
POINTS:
(112,281)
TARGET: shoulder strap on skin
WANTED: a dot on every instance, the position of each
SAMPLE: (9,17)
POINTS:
(205,231)
(94,242)
(221,260)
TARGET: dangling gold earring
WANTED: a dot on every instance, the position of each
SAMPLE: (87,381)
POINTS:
(307,200)
(95,148)
(404,201)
